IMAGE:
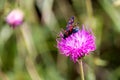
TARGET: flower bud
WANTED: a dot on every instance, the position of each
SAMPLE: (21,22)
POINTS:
(15,18)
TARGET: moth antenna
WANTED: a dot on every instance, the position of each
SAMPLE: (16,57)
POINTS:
(76,24)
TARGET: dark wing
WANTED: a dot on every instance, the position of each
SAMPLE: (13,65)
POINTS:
(70,23)
(76,28)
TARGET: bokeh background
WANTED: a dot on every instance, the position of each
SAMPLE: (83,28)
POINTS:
(29,51)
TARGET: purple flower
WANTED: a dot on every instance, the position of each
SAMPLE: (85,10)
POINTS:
(78,44)
(15,18)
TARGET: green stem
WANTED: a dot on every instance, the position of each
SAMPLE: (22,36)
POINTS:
(81,69)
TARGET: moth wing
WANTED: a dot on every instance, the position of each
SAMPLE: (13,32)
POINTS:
(70,23)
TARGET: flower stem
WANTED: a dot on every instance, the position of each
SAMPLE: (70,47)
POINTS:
(81,69)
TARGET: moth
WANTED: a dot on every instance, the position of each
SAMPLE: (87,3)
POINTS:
(70,28)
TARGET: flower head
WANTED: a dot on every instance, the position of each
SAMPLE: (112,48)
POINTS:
(15,18)
(77,45)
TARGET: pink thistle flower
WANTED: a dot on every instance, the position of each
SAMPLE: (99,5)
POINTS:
(15,18)
(77,45)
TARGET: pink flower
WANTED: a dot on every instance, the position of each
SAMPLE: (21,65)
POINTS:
(15,18)
(77,45)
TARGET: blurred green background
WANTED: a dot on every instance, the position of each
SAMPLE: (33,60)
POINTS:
(29,52)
